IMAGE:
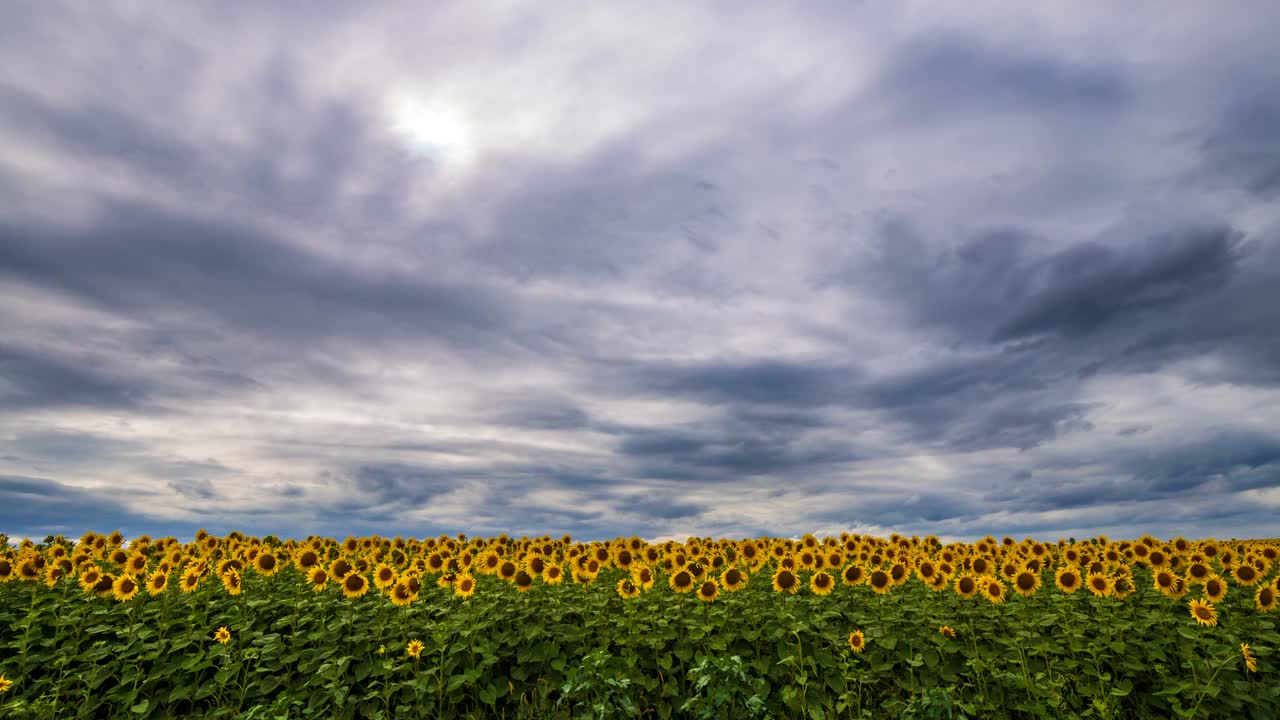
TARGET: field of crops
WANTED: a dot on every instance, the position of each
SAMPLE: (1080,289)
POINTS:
(847,626)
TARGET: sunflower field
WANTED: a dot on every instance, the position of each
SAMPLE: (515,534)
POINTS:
(834,627)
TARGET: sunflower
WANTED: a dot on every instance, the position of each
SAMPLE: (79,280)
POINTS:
(880,581)
(785,581)
(105,586)
(733,579)
(1265,599)
(899,573)
(340,568)
(553,575)
(1068,579)
(1250,662)
(158,582)
(125,588)
(231,581)
(1246,575)
(465,586)
(966,586)
(414,648)
(354,585)
(627,589)
(1100,585)
(857,641)
(681,581)
(623,558)
(993,590)
(489,562)
(53,574)
(947,632)
(926,571)
(1215,588)
(190,580)
(1204,613)
(506,570)
(523,581)
(230,564)
(384,576)
(223,635)
(821,583)
(266,563)
(1198,572)
(1164,581)
(1123,587)
(136,563)
(853,575)
(306,559)
(400,594)
(446,580)
(708,591)
(28,570)
(318,578)
(89,578)
(5,683)
(1026,583)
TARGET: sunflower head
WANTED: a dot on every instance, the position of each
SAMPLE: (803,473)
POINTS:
(1203,613)
(821,583)
(733,579)
(1265,599)
(523,580)
(465,586)
(400,594)
(1026,583)
(1099,584)
(853,575)
(947,632)
(223,635)
(708,591)
(785,581)
(1215,588)
(1246,574)
(384,576)
(318,578)
(993,590)
(125,587)
(628,589)
(157,583)
(1250,662)
(414,648)
(857,641)
(681,581)
(1068,579)
(266,564)
(881,582)
(354,585)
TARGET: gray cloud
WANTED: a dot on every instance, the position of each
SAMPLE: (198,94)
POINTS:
(866,274)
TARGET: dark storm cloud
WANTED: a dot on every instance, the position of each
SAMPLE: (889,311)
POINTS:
(767,382)
(402,484)
(36,379)
(1084,288)
(38,506)
(1245,151)
(146,262)
(948,73)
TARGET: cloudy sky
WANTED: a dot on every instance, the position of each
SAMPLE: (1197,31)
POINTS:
(652,268)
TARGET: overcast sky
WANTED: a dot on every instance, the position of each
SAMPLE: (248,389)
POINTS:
(640,268)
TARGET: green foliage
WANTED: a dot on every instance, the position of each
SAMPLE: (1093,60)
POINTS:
(573,651)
